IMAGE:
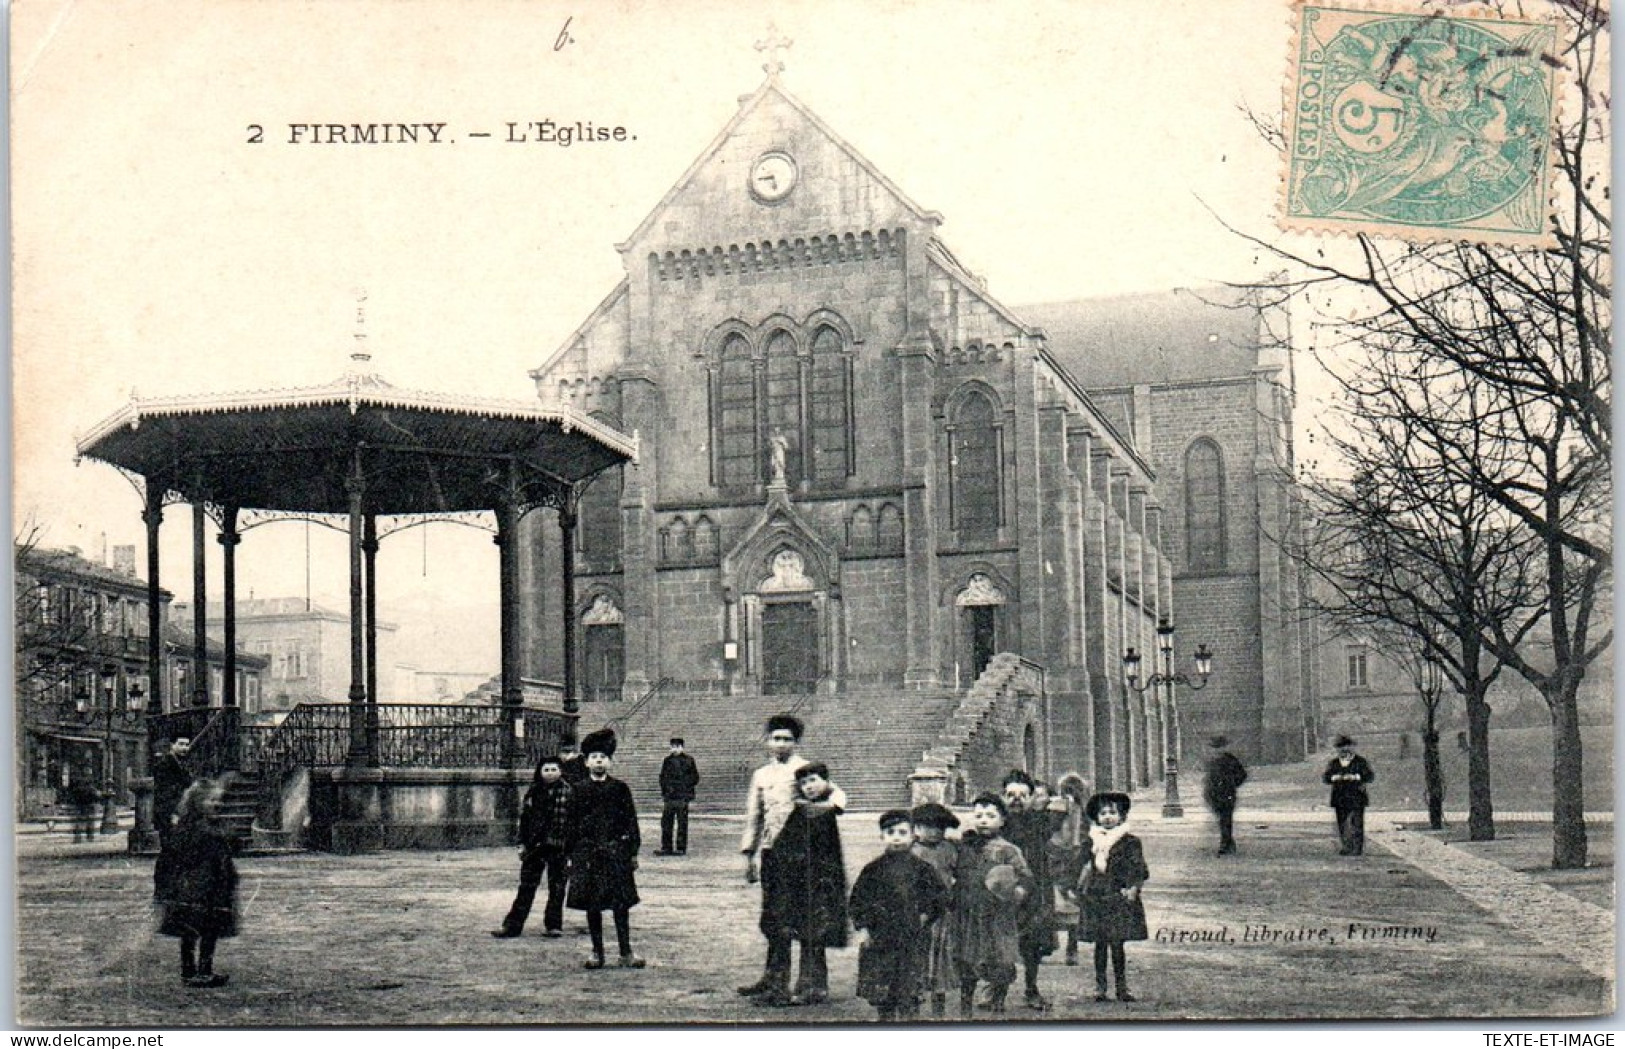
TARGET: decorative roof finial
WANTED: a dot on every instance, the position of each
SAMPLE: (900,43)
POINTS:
(359,357)
(774,44)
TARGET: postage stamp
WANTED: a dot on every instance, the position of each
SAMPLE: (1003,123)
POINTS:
(1424,125)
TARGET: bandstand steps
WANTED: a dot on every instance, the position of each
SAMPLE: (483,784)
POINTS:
(238,807)
(872,740)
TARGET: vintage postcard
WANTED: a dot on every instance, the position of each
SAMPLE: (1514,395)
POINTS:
(533,513)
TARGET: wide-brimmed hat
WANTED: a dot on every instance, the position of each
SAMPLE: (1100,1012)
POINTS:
(1342,741)
(1116,799)
(1002,881)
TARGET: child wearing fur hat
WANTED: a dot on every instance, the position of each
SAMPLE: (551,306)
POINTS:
(605,852)
(1109,889)
(931,825)
(993,881)
(895,902)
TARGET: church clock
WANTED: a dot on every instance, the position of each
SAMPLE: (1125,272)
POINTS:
(772,177)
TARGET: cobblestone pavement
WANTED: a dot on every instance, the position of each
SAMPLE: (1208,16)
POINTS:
(1580,931)
(1287,928)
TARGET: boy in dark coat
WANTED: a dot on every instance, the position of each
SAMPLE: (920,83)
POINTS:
(546,822)
(808,872)
(679,775)
(931,844)
(1109,889)
(605,852)
(195,884)
(1348,773)
(896,899)
(1225,775)
(993,882)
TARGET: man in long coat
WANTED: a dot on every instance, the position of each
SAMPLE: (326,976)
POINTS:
(1348,773)
(1225,775)
(170,778)
(679,775)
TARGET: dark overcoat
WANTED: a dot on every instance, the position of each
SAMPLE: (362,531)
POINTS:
(679,775)
(606,841)
(1030,832)
(169,781)
(804,880)
(1348,795)
(896,897)
(1225,775)
(195,883)
(1104,913)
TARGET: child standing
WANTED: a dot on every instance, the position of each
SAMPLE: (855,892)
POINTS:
(605,852)
(931,825)
(805,865)
(1065,848)
(993,881)
(195,884)
(1109,889)
(896,900)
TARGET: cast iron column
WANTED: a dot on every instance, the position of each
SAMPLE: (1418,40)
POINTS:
(153,515)
(229,538)
(567,527)
(200,607)
(359,755)
(369,550)
(507,541)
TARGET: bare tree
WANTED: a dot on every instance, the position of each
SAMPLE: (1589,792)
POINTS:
(1528,332)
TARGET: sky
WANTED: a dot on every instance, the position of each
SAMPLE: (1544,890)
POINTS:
(1074,149)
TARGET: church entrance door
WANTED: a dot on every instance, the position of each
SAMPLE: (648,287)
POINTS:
(606,662)
(983,637)
(789,648)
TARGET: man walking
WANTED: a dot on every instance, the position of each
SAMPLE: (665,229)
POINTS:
(679,775)
(1348,773)
(1225,775)
(773,797)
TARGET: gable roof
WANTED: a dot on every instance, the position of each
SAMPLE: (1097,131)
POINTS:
(748,105)
(1160,337)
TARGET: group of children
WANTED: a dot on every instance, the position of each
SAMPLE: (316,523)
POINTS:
(987,904)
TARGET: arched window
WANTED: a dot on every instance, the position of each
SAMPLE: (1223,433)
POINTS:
(1204,507)
(736,415)
(598,516)
(975,477)
(782,406)
(831,449)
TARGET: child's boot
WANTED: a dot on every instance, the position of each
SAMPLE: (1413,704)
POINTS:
(995,1001)
(939,1004)
(1100,988)
(1122,989)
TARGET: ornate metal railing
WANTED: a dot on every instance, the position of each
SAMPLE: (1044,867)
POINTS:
(410,735)
(216,749)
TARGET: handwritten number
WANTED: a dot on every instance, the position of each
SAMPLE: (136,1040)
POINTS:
(564,36)
(256,133)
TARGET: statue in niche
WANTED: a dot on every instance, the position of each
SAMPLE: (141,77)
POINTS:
(779,450)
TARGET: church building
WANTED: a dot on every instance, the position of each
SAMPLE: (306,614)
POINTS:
(861,472)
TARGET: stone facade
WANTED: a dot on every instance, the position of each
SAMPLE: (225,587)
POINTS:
(857,469)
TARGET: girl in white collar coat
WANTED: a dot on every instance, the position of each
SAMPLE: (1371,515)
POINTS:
(1114,868)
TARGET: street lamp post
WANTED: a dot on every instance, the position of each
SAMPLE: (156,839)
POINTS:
(1165,679)
(134,703)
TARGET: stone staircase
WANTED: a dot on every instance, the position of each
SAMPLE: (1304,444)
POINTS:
(871,739)
(238,808)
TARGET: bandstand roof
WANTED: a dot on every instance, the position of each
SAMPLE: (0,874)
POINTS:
(293,450)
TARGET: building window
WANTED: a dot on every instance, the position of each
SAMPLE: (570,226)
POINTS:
(598,518)
(1204,508)
(1358,667)
(777,393)
(736,415)
(975,477)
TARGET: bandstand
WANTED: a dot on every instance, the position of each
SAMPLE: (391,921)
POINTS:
(370,459)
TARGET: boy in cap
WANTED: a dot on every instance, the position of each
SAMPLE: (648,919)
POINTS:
(896,901)
(606,851)
(808,873)
(993,881)
(931,825)
(1109,889)
(1225,775)
(1348,773)
(771,799)
(679,775)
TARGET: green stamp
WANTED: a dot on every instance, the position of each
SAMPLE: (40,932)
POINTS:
(1423,126)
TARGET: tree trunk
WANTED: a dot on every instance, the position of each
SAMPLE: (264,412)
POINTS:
(1433,775)
(1568,791)
(1480,809)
